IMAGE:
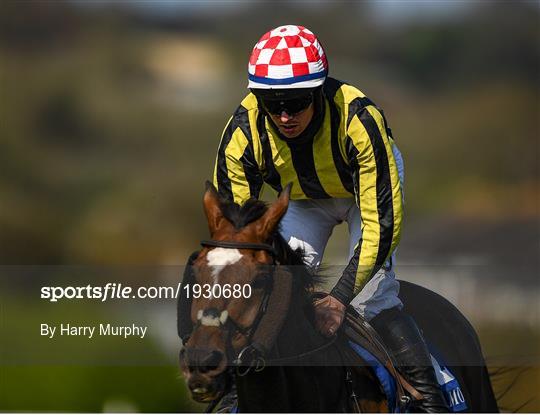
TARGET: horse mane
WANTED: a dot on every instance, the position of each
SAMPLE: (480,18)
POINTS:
(242,215)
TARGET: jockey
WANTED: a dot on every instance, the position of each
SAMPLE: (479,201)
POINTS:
(333,143)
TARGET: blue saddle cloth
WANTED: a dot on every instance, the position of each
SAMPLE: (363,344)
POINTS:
(448,383)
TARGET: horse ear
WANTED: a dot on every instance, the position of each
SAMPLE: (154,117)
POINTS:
(268,222)
(212,209)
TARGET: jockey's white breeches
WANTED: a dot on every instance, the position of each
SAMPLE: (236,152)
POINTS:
(308,224)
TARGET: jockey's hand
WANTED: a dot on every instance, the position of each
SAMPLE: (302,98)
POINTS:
(329,314)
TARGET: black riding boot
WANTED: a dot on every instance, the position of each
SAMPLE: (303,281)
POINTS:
(402,336)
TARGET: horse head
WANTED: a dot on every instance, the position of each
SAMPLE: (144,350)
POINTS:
(237,287)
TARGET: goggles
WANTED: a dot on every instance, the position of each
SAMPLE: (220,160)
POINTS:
(290,106)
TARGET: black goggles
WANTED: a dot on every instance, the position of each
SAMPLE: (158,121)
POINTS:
(290,106)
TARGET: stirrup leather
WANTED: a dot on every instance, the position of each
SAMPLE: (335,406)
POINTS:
(360,331)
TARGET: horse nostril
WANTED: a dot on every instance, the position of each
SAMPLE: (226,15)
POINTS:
(211,362)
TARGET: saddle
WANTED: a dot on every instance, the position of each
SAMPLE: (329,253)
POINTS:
(359,331)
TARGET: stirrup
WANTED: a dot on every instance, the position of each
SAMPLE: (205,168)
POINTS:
(404,403)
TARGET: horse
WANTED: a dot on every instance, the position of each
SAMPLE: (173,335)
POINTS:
(266,343)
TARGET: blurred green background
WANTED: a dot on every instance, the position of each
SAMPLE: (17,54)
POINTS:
(111,114)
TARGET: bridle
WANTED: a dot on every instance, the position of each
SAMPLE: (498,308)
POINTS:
(262,333)
(259,339)
(251,356)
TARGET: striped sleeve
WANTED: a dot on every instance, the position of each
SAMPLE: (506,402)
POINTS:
(236,173)
(378,195)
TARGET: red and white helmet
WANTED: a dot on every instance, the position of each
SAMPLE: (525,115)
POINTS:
(287,57)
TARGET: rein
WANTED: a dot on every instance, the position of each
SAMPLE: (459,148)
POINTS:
(281,360)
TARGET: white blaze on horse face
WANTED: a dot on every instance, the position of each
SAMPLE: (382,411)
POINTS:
(219,258)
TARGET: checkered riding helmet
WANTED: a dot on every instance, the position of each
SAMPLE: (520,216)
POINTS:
(287,57)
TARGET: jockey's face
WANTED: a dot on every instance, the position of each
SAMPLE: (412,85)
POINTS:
(292,126)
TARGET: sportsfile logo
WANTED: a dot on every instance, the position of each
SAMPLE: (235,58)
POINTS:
(118,291)
(110,291)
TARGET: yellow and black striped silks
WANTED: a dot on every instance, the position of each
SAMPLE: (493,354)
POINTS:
(350,154)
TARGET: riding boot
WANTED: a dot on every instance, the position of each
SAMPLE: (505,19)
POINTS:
(409,350)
